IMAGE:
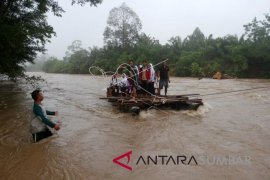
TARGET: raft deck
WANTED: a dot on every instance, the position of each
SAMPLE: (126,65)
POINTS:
(176,102)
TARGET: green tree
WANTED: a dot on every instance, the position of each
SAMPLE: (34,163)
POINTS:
(78,62)
(256,48)
(196,70)
(195,41)
(51,65)
(176,45)
(173,49)
(147,48)
(24,31)
(123,27)
(75,46)
(183,64)
(197,55)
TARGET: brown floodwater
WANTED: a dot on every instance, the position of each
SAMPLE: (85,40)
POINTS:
(93,132)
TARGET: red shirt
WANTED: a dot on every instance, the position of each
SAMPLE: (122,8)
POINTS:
(147,73)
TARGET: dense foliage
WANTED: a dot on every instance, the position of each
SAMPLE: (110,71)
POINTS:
(24,31)
(195,55)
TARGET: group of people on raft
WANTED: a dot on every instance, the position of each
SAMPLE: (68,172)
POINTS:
(135,79)
(139,80)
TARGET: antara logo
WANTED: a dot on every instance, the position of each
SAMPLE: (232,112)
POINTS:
(164,160)
(117,160)
(124,159)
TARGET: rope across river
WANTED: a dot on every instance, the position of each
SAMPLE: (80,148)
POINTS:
(202,95)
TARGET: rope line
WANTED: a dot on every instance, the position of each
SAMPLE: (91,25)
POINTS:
(241,90)
(164,99)
(121,66)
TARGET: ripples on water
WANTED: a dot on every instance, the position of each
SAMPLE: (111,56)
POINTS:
(93,132)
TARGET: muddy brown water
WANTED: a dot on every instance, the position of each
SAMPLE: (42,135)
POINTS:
(93,132)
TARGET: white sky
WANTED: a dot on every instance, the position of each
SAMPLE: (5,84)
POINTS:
(161,19)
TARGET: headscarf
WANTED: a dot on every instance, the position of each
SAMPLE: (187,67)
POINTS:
(114,80)
(124,81)
(152,73)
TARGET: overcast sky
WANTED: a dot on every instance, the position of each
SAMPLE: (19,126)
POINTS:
(161,19)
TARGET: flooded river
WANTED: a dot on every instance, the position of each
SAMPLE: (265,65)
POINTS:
(228,137)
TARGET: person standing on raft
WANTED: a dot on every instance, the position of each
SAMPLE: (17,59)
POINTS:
(164,78)
(145,74)
(39,124)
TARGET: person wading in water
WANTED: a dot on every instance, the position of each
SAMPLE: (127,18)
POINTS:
(39,124)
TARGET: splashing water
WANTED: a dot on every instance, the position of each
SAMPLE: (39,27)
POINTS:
(201,111)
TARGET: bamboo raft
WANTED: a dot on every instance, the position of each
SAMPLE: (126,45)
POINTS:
(176,102)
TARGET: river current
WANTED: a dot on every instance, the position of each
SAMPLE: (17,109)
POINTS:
(228,137)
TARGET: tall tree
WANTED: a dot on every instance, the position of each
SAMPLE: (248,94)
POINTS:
(175,44)
(75,46)
(257,47)
(148,48)
(258,30)
(123,27)
(195,41)
(24,31)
